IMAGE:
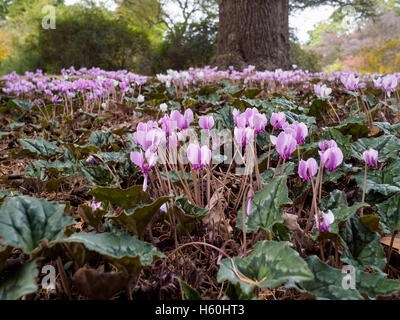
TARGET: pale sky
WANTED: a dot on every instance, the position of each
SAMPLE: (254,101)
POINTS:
(303,21)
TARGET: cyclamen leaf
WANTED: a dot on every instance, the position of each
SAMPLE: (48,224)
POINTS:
(389,211)
(100,138)
(125,198)
(362,247)
(25,221)
(40,146)
(387,146)
(20,282)
(122,248)
(266,207)
(328,283)
(270,260)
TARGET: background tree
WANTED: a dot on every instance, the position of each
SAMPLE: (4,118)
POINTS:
(257,32)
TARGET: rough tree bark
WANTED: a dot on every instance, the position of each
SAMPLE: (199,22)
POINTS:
(253,32)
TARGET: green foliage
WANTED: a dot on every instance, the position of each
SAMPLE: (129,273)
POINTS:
(26,221)
(269,265)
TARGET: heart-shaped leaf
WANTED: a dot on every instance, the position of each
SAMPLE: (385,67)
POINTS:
(389,211)
(266,207)
(40,146)
(20,282)
(124,198)
(25,221)
(330,283)
(122,249)
(269,265)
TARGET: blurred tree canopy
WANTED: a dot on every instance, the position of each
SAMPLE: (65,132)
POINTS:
(151,36)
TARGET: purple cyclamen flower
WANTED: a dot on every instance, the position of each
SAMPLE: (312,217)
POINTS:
(198,157)
(298,130)
(325,145)
(91,160)
(331,158)
(95,205)
(277,120)
(258,121)
(322,91)
(145,163)
(243,136)
(371,157)
(285,144)
(327,220)
(182,120)
(206,122)
(308,169)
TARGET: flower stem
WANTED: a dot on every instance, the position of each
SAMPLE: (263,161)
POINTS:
(364,187)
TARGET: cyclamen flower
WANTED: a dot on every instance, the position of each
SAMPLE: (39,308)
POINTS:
(258,122)
(243,136)
(322,91)
(298,130)
(308,169)
(206,122)
(145,163)
(198,157)
(331,158)
(285,144)
(150,139)
(327,220)
(371,157)
(325,145)
(95,205)
(91,160)
(277,120)
(389,83)
(163,107)
(140,98)
(250,197)
(183,121)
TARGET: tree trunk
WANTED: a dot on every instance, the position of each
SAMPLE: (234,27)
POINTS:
(253,32)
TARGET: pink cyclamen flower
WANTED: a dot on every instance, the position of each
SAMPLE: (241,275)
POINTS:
(243,136)
(91,159)
(95,205)
(206,122)
(258,121)
(371,157)
(308,169)
(145,163)
(325,145)
(327,220)
(277,120)
(322,91)
(285,144)
(298,130)
(188,118)
(250,197)
(331,158)
(198,157)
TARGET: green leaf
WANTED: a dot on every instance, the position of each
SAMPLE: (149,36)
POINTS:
(327,283)
(138,218)
(122,249)
(188,292)
(337,203)
(389,211)
(100,138)
(116,157)
(124,198)
(20,282)
(387,146)
(354,126)
(40,146)
(24,105)
(25,221)
(97,173)
(386,182)
(92,218)
(266,208)
(362,247)
(188,209)
(271,264)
